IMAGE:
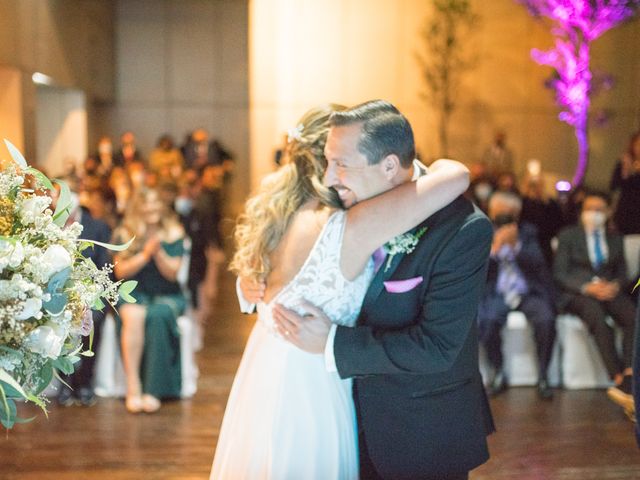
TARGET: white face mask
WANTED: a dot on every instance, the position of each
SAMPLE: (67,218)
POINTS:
(483,191)
(593,220)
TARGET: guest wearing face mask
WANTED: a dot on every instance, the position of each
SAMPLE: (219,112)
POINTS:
(480,187)
(518,278)
(590,268)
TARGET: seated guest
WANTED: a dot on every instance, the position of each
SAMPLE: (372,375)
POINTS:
(589,268)
(79,385)
(543,212)
(626,178)
(518,279)
(166,160)
(150,337)
(128,151)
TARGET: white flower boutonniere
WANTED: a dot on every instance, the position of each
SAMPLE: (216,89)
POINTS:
(405,243)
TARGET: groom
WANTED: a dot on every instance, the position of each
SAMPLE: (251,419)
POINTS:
(422,410)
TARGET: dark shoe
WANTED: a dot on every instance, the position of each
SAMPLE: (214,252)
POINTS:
(622,394)
(498,385)
(65,396)
(86,397)
(544,390)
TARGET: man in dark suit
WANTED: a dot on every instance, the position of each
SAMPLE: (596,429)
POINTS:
(81,380)
(422,410)
(518,279)
(590,268)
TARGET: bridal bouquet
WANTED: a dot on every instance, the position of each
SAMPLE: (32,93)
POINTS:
(47,287)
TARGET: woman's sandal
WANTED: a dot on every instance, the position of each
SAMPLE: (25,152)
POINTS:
(134,403)
(150,404)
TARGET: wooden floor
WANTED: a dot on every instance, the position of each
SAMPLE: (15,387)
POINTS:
(579,435)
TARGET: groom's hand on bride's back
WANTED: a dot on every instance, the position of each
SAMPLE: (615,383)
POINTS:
(252,290)
(308,332)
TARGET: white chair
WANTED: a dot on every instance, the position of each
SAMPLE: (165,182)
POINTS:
(520,359)
(631,245)
(109,378)
(581,362)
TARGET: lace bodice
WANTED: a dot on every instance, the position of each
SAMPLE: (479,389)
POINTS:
(320,281)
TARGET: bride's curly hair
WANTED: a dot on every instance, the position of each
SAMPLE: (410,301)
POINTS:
(269,212)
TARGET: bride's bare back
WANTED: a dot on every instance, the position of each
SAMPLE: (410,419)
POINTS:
(294,247)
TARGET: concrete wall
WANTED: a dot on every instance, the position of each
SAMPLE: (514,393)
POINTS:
(182,64)
(70,41)
(347,51)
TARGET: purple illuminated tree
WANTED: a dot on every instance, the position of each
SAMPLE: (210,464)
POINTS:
(576,23)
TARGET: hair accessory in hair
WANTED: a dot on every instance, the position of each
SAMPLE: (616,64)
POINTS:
(295,133)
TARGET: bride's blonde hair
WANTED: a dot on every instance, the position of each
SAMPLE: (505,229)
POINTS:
(268,213)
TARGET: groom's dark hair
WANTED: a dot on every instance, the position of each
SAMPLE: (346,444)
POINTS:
(385,131)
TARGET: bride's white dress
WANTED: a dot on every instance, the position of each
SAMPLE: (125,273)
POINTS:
(287,417)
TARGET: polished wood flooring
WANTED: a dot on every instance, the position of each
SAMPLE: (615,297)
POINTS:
(579,435)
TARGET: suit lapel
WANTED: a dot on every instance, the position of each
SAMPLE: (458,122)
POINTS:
(377,283)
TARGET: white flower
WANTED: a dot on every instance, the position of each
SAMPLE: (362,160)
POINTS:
(405,243)
(30,308)
(32,207)
(46,340)
(295,133)
(55,259)
(11,254)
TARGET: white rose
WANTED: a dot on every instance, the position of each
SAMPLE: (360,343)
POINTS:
(11,254)
(32,207)
(54,259)
(30,308)
(46,340)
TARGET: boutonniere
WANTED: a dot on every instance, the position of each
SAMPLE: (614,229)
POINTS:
(405,243)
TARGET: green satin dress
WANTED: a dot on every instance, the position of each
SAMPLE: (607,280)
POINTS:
(160,370)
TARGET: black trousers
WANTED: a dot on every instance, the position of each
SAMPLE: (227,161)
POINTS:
(593,313)
(492,316)
(82,377)
(369,472)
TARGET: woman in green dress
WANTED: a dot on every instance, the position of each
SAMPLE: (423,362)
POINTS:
(149,332)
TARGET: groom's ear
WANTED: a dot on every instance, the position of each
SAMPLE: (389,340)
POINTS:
(390,166)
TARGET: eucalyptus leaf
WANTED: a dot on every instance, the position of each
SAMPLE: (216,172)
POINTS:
(16,155)
(125,291)
(58,279)
(44,377)
(42,178)
(55,305)
(109,246)
(98,304)
(8,413)
(10,391)
(63,206)
(8,379)
(64,365)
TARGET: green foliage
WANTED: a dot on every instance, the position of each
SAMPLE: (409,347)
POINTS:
(125,291)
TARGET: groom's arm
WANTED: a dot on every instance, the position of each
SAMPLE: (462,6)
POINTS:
(432,343)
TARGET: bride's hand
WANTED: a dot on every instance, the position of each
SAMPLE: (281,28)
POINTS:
(308,332)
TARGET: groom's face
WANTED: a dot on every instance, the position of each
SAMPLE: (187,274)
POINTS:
(348,170)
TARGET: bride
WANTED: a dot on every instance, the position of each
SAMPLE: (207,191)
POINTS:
(287,417)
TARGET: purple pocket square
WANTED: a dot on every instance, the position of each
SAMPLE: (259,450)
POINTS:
(402,286)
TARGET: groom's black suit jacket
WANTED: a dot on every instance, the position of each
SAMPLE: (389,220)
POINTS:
(414,356)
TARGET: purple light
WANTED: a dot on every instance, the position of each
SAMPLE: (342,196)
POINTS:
(576,23)
(563,186)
